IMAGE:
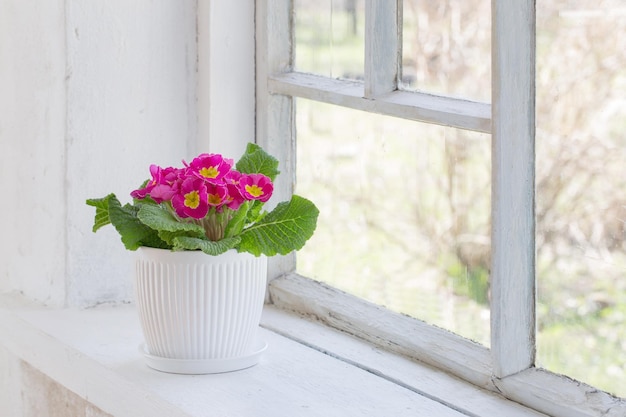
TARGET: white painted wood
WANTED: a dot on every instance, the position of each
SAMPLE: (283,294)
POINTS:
(226,102)
(94,353)
(513,187)
(395,332)
(108,376)
(414,375)
(382,54)
(91,94)
(442,110)
(560,396)
(32,149)
(275,118)
(130,103)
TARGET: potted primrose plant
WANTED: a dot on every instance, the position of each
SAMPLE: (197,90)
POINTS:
(202,239)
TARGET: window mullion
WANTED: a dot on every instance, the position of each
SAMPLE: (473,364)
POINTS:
(513,186)
(275,125)
(382,52)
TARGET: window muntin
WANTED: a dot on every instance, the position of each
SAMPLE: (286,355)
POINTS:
(404,213)
(581,191)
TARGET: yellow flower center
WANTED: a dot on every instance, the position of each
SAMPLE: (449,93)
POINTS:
(210,172)
(254,190)
(192,199)
(214,199)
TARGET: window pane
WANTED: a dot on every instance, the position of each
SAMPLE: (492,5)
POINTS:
(581,190)
(405,211)
(329,37)
(446,47)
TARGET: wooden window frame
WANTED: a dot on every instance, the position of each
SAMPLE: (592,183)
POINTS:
(508,366)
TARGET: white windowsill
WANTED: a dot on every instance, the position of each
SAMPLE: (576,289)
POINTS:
(308,370)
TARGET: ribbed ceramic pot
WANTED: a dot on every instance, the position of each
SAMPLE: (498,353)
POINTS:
(194,306)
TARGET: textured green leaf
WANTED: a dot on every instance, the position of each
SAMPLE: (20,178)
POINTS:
(256,161)
(238,221)
(134,233)
(206,246)
(256,212)
(168,236)
(102,211)
(158,218)
(283,230)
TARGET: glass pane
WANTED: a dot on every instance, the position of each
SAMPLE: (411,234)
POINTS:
(405,213)
(581,190)
(446,47)
(329,37)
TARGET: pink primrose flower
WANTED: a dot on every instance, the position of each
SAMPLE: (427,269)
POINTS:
(168,185)
(211,167)
(163,185)
(192,199)
(233,177)
(234,199)
(217,194)
(256,187)
(141,193)
(208,181)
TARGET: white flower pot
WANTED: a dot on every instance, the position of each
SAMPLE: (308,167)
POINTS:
(200,313)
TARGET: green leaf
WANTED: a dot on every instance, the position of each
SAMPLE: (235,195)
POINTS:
(158,218)
(283,230)
(102,211)
(256,212)
(168,236)
(207,246)
(256,161)
(134,233)
(238,221)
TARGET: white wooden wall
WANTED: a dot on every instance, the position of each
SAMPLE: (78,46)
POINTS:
(226,106)
(32,148)
(91,93)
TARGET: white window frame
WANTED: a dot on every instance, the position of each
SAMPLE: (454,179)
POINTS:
(508,366)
